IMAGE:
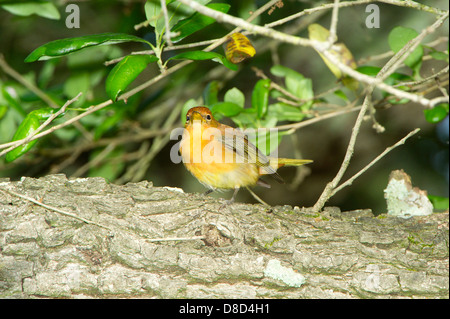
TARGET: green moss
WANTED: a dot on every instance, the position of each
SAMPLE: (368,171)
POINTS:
(415,239)
(312,215)
(268,245)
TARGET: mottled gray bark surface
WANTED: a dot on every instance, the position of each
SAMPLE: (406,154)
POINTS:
(241,251)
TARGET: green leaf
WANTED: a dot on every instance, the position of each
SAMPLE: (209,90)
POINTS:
(186,107)
(285,112)
(3,110)
(45,9)
(439,203)
(153,11)
(260,97)
(58,48)
(175,11)
(44,113)
(296,83)
(25,129)
(392,79)
(226,108)
(398,38)
(369,70)
(341,94)
(437,113)
(125,72)
(196,22)
(235,96)
(202,55)
(155,15)
(269,141)
(28,126)
(439,55)
(301,88)
(247,118)
(282,71)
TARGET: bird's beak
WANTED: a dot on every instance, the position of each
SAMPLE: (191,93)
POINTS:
(196,116)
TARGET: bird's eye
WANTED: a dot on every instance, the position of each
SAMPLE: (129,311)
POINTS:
(208,117)
(187,118)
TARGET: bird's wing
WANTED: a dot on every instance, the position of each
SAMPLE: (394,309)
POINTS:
(246,152)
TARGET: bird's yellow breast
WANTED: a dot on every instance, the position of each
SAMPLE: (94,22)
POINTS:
(214,165)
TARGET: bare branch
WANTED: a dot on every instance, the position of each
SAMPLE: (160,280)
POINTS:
(15,144)
(166,21)
(410,4)
(333,25)
(322,47)
(387,150)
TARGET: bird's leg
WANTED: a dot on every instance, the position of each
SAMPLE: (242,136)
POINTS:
(230,201)
(236,190)
(209,191)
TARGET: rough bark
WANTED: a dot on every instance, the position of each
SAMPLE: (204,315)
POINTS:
(246,251)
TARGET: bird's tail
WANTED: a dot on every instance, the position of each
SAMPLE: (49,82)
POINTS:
(279,162)
(276,163)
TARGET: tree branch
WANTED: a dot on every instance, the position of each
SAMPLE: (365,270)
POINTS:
(15,144)
(322,47)
(375,160)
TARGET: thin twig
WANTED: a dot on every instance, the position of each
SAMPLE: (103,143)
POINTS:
(376,159)
(411,4)
(95,161)
(209,48)
(62,212)
(213,42)
(89,110)
(15,144)
(388,68)
(333,25)
(319,118)
(128,94)
(326,193)
(19,78)
(275,86)
(166,21)
(321,47)
(166,49)
(427,79)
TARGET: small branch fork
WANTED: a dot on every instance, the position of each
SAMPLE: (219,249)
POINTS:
(12,145)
